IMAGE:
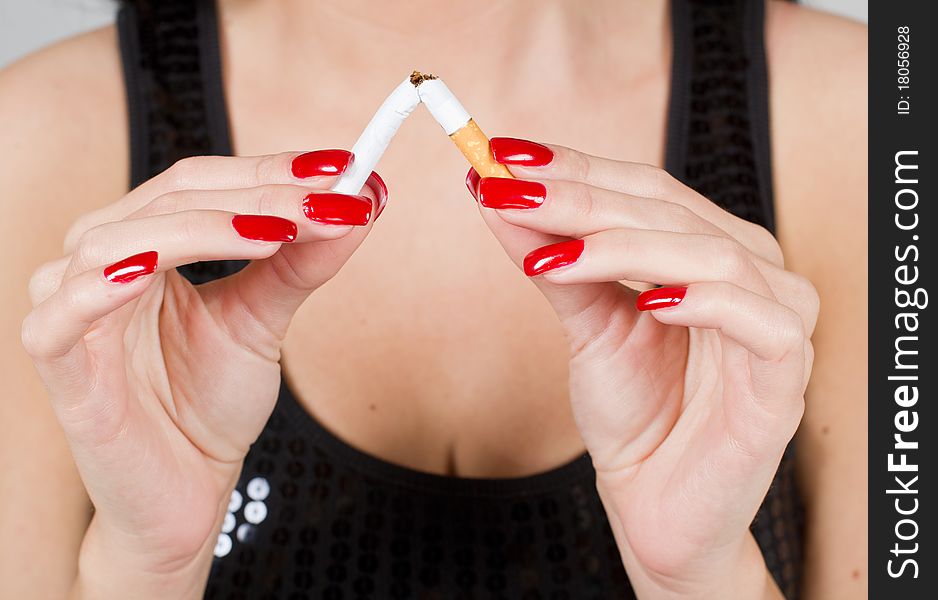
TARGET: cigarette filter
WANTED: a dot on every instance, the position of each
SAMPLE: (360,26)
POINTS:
(458,124)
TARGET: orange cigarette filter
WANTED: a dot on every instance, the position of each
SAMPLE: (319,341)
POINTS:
(458,124)
(478,151)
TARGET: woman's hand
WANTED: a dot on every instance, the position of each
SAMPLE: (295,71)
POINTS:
(685,396)
(161,386)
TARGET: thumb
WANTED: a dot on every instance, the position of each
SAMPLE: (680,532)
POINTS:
(272,289)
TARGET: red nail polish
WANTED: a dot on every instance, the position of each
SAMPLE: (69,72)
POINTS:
(337,209)
(501,192)
(321,163)
(512,151)
(132,267)
(552,257)
(380,190)
(660,298)
(264,228)
(472,182)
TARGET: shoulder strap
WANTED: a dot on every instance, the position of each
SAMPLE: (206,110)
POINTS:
(718,118)
(175,98)
(172,71)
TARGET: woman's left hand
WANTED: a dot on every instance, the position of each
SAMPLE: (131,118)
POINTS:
(685,396)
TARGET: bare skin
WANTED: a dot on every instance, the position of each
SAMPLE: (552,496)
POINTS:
(442,368)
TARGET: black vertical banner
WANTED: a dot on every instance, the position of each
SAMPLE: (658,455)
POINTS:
(903,385)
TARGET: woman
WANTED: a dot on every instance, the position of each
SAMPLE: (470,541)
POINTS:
(426,435)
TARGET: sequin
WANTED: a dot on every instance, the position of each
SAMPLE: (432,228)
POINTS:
(255,512)
(258,488)
(235,503)
(229,523)
(222,545)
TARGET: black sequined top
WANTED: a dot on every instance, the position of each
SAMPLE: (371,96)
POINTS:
(312,517)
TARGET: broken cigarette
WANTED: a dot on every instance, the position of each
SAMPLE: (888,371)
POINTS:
(458,124)
(376,136)
(445,108)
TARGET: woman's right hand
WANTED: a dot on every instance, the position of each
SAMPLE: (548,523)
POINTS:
(162,386)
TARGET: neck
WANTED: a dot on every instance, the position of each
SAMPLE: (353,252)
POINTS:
(414,19)
(389,39)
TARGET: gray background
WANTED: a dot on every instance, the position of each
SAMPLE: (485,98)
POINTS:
(27,25)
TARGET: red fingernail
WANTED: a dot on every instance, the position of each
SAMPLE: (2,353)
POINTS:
(380,190)
(512,151)
(660,298)
(501,192)
(472,182)
(552,257)
(132,267)
(321,163)
(264,228)
(337,209)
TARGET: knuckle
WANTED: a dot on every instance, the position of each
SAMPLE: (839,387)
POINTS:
(78,228)
(88,247)
(165,204)
(193,225)
(768,245)
(808,295)
(37,341)
(584,203)
(621,240)
(31,336)
(184,173)
(734,258)
(801,295)
(270,198)
(73,296)
(724,292)
(811,300)
(579,166)
(266,168)
(789,330)
(682,216)
(660,182)
(43,281)
(83,254)
(808,353)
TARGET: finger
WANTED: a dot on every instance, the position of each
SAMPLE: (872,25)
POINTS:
(576,210)
(180,238)
(636,179)
(764,327)
(583,309)
(272,289)
(648,256)
(316,169)
(46,279)
(52,333)
(562,163)
(771,333)
(318,214)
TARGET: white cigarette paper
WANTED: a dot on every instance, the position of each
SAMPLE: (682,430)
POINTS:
(443,105)
(377,135)
(445,108)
